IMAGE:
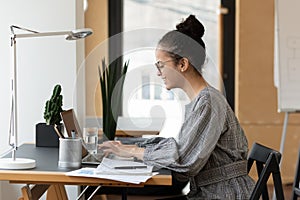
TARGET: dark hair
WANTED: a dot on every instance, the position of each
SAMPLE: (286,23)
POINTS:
(186,41)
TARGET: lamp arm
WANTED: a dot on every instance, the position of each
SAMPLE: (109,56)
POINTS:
(12,27)
(35,33)
(28,35)
(14,112)
(70,35)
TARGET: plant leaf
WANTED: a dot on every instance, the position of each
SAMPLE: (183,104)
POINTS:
(109,78)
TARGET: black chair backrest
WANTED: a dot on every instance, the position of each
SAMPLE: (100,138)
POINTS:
(296,189)
(267,162)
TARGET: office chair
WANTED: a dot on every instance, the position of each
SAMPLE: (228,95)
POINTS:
(267,163)
(296,189)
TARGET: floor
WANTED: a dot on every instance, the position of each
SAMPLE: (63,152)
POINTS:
(287,194)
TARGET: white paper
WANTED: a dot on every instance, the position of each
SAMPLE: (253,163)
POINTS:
(108,166)
(91,172)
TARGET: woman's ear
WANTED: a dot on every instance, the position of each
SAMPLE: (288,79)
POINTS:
(183,64)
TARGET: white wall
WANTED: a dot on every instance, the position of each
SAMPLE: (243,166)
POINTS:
(41,63)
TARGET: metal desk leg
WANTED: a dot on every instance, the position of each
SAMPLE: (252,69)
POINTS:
(82,193)
(91,196)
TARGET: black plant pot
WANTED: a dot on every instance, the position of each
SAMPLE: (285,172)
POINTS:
(45,135)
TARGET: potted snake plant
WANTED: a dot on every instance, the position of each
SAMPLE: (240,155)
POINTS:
(112,78)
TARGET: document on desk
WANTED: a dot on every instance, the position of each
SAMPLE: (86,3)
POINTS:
(123,167)
(118,170)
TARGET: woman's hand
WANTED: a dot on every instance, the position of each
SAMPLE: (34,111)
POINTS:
(119,149)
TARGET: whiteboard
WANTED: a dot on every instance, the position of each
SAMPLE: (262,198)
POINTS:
(287,55)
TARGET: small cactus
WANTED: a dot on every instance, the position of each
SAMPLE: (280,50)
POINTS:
(53,107)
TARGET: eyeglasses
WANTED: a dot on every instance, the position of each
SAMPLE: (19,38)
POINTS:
(161,64)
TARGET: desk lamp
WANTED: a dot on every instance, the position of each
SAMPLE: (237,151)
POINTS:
(24,163)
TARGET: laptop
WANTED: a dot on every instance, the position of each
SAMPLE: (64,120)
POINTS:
(71,123)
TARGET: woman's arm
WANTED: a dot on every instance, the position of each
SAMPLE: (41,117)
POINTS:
(119,149)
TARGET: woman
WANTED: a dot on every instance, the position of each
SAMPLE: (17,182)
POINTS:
(212,149)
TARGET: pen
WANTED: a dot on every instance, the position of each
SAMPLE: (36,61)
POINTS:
(57,132)
(73,134)
(130,167)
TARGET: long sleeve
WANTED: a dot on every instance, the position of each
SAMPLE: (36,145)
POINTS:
(211,139)
(197,139)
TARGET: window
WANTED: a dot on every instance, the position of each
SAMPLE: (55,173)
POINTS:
(143,20)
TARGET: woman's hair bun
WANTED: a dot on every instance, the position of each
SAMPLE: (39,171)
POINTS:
(191,27)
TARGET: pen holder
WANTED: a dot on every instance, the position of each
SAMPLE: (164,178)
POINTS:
(70,152)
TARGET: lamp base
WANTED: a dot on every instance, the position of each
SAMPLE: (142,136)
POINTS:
(18,163)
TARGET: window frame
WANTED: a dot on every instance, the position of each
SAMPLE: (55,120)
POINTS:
(115,26)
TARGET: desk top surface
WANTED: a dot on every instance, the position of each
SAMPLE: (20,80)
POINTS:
(47,170)
(46,157)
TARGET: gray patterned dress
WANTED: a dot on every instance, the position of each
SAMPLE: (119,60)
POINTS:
(211,151)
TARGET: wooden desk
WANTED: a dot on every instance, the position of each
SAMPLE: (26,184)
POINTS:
(47,171)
